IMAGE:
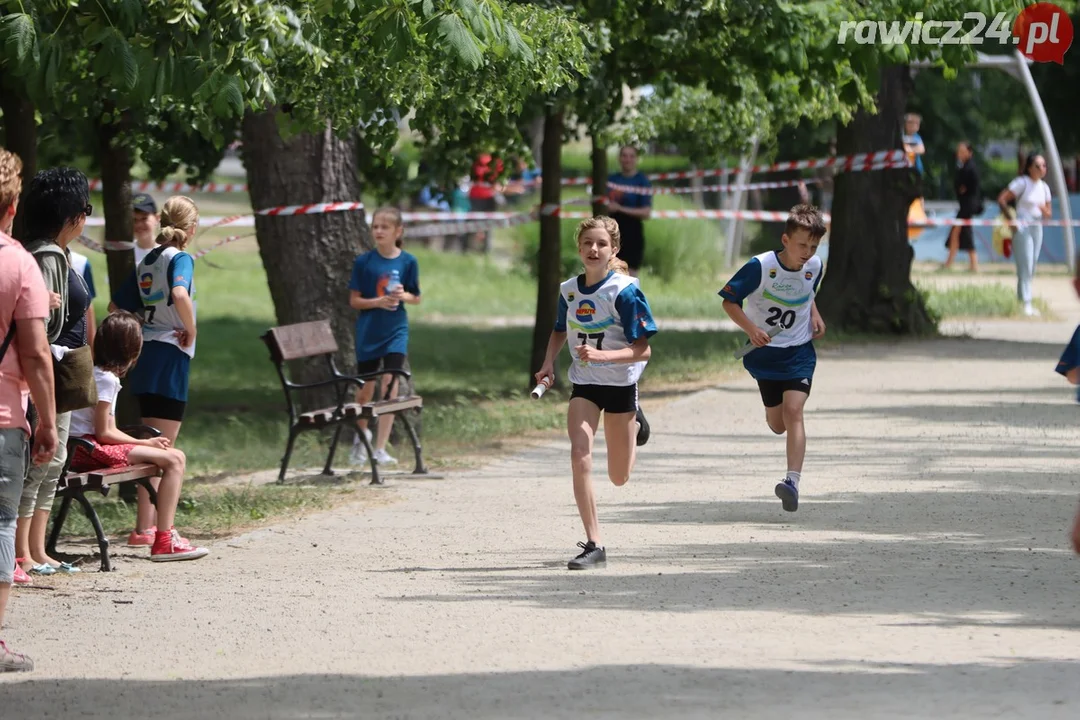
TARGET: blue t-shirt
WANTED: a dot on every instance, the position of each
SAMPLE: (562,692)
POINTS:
(630,199)
(635,316)
(770,363)
(181,273)
(380,332)
(162,368)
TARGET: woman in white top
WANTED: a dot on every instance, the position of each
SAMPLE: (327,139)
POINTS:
(1032,197)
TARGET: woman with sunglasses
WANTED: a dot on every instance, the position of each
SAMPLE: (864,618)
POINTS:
(54,211)
(1032,197)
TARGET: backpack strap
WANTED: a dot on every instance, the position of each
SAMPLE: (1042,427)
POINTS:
(10,332)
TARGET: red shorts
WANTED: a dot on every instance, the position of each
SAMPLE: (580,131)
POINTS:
(102,456)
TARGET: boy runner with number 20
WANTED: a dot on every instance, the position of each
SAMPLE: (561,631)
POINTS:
(776,290)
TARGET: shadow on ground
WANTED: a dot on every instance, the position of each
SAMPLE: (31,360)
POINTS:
(1017,688)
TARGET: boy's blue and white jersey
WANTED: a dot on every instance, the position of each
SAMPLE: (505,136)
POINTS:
(610,315)
(772,295)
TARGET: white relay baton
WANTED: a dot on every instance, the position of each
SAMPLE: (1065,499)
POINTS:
(540,389)
(748,347)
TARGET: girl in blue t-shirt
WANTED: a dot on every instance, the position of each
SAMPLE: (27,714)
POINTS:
(383,281)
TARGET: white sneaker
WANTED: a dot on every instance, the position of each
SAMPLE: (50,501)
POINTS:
(1031,311)
(383,458)
(358,455)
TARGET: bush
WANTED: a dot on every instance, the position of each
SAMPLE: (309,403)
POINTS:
(674,249)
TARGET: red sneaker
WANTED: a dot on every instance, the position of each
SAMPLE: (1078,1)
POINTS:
(169,546)
(141,539)
(20,577)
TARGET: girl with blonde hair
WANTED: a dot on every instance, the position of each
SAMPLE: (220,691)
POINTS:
(611,323)
(162,292)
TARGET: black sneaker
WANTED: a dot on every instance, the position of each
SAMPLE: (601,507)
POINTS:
(788,494)
(590,557)
(643,428)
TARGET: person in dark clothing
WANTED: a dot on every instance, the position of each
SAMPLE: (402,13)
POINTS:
(969,194)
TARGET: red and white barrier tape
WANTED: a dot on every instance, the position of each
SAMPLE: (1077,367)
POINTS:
(881,160)
(179,187)
(686,190)
(219,243)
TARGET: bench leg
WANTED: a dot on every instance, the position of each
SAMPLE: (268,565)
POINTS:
(329,468)
(418,468)
(149,487)
(288,454)
(375,479)
(103,542)
(58,524)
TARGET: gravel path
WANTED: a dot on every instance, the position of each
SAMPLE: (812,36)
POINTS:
(925,575)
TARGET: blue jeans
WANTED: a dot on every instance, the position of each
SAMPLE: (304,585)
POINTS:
(1027,244)
(14,454)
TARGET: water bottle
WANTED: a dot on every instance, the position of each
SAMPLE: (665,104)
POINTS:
(393,284)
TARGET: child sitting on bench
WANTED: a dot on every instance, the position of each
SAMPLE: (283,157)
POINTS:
(116,348)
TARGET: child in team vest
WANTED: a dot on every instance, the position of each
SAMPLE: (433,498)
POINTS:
(609,323)
(772,299)
(383,281)
(162,292)
(117,346)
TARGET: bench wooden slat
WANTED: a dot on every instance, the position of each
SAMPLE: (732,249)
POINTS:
(326,415)
(388,407)
(124,474)
(306,339)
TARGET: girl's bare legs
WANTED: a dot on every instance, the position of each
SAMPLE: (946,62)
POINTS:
(620,433)
(173,463)
(582,419)
(363,397)
(386,422)
(146,516)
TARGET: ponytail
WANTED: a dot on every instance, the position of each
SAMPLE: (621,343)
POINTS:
(179,216)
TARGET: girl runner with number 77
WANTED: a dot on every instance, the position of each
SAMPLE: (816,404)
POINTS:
(776,290)
(609,319)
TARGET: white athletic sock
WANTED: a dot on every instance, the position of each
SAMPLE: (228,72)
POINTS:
(794,478)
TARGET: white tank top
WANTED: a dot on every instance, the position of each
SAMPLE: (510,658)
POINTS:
(593,319)
(160,318)
(783,298)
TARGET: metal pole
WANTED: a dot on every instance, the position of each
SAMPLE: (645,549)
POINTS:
(1053,159)
(737,199)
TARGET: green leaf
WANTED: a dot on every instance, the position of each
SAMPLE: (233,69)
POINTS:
(461,41)
(18,37)
(116,61)
(229,101)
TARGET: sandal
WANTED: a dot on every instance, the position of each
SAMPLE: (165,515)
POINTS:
(43,569)
(68,568)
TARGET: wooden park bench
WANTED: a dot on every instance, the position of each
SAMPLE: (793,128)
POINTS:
(75,486)
(316,339)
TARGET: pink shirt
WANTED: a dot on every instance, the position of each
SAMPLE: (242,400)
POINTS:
(22,295)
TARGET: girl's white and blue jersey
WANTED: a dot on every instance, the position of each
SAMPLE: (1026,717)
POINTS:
(772,295)
(610,315)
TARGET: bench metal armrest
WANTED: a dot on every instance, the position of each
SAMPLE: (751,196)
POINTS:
(72,444)
(324,383)
(140,432)
(403,373)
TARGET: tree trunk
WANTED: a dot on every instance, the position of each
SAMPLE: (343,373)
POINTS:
(308,258)
(868,284)
(549,261)
(114,159)
(20,137)
(599,177)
